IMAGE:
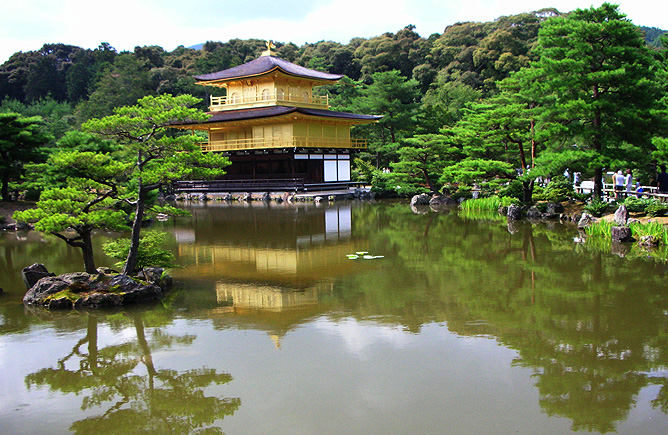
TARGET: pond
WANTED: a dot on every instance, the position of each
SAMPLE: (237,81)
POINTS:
(463,324)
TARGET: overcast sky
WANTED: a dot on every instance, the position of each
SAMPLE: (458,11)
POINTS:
(27,24)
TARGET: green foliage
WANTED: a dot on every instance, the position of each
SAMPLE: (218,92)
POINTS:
(596,207)
(150,252)
(393,185)
(21,141)
(462,191)
(472,170)
(656,208)
(390,94)
(586,59)
(424,157)
(558,189)
(652,228)
(634,204)
(491,203)
(600,228)
(364,169)
(60,209)
(513,189)
(154,155)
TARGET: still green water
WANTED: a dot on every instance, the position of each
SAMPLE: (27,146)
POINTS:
(465,326)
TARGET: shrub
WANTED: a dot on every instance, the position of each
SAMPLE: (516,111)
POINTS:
(513,189)
(559,189)
(596,207)
(462,192)
(656,208)
(150,251)
(634,204)
(395,184)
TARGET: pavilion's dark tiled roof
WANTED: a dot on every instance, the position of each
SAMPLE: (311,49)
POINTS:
(263,65)
(273,111)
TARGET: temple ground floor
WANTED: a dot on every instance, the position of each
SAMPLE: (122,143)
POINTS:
(282,169)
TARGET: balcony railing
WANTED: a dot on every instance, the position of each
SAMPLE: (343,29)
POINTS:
(282,142)
(257,100)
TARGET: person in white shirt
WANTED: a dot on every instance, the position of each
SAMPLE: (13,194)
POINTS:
(619,182)
(628,180)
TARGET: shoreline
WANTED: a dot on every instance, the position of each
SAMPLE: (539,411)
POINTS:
(7,209)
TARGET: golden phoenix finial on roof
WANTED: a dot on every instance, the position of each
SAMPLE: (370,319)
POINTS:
(270,45)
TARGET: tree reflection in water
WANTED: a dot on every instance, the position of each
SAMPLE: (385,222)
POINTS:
(139,397)
(590,324)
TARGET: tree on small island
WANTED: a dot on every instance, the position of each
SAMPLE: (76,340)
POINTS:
(86,204)
(150,156)
(158,155)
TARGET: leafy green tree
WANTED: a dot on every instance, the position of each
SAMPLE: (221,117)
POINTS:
(21,140)
(599,88)
(397,99)
(150,251)
(503,128)
(58,117)
(424,157)
(471,170)
(86,204)
(157,156)
(121,83)
(402,51)
(444,104)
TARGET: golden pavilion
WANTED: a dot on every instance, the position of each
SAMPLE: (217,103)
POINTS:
(275,130)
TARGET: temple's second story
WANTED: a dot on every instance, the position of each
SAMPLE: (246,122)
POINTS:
(267,81)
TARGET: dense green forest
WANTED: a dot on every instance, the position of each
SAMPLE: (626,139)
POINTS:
(480,101)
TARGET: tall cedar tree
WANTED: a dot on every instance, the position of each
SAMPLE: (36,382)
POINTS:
(599,88)
(158,157)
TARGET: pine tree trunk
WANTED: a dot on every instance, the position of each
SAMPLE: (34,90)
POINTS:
(5,185)
(131,261)
(87,250)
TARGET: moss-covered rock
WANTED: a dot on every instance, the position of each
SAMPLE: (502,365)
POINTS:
(83,290)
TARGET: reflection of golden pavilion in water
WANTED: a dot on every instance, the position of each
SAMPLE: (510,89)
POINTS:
(279,274)
(279,249)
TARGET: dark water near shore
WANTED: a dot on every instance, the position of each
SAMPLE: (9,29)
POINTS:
(464,326)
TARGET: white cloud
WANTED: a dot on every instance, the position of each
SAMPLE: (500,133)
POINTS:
(359,337)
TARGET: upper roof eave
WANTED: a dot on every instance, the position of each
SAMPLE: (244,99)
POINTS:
(265,65)
(277,111)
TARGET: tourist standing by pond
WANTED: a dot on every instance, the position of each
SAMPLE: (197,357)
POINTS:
(619,181)
(662,180)
(628,180)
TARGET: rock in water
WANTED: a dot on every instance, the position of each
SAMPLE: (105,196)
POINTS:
(621,216)
(586,220)
(34,273)
(534,213)
(421,199)
(83,290)
(514,212)
(621,234)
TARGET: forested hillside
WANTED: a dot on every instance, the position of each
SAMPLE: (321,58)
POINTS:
(436,93)
(472,54)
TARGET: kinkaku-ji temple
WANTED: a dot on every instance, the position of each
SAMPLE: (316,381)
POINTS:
(276,132)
